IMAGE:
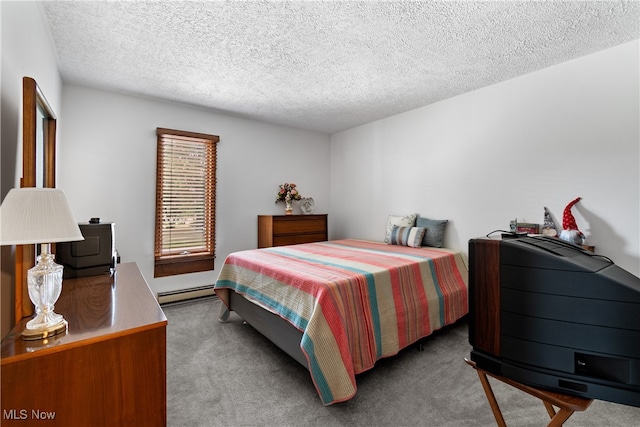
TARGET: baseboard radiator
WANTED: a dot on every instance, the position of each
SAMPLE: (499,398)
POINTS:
(185,295)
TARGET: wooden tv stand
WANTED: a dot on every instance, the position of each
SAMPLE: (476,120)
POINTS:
(567,404)
(108,369)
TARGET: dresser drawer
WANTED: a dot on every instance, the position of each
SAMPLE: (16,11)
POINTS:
(299,226)
(294,239)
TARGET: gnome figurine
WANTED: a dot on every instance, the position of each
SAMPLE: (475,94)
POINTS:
(570,232)
(549,226)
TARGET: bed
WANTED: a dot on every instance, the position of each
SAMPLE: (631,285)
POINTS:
(339,306)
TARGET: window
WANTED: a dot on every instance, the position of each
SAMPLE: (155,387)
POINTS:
(185,202)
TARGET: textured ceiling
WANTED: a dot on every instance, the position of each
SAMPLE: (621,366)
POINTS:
(324,66)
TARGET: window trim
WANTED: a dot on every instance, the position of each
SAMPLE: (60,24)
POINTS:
(174,264)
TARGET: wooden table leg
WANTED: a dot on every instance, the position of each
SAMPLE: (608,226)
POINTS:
(550,409)
(491,398)
(562,416)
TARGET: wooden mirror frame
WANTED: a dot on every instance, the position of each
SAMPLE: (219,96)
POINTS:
(33,101)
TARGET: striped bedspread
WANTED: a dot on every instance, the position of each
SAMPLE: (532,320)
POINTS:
(354,301)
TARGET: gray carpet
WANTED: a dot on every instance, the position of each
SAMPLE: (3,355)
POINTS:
(229,375)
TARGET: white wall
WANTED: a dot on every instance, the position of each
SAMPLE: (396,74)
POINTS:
(505,151)
(107,167)
(27,50)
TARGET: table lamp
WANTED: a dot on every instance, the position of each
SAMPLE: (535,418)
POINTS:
(40,216)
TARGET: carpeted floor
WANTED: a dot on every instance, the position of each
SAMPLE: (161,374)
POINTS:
(229,375)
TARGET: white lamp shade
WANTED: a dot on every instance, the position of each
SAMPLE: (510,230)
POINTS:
(37,215)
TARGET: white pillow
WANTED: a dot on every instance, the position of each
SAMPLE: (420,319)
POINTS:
(399,221)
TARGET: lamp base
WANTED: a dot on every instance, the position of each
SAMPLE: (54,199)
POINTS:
(38,334)
(45,284)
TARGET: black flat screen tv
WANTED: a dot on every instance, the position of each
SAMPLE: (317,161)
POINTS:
(94,255)
(552,315)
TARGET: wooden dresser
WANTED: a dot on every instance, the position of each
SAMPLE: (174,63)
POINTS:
(109,369)
(280,230)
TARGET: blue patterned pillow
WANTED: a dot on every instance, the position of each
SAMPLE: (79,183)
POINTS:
(435,231)
(407,236)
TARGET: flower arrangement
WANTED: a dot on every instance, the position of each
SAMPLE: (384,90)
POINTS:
(287,193)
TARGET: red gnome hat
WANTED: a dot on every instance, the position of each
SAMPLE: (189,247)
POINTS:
(568,221)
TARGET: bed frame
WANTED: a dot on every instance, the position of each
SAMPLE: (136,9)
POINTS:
(275,328)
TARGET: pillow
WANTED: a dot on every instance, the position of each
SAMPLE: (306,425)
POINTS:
(400,221)
(407,236)
(434,235)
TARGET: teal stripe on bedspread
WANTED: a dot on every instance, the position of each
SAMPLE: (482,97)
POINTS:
(319,380)
(438,291)
(266,302)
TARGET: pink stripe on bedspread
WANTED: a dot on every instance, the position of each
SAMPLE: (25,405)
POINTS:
(355,301)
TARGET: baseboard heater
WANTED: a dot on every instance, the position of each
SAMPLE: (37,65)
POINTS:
(185,294)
